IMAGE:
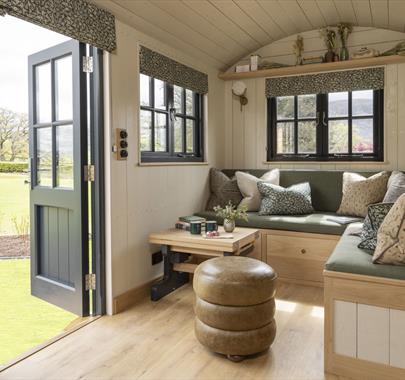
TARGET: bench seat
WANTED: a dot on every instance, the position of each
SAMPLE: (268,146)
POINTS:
(316,223)
(348,258)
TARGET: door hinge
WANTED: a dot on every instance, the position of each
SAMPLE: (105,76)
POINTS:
(89,173)
(87,64)
(90,280)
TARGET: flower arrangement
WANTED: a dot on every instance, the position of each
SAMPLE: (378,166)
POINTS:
(230,213)
(329,37)
(298,48)
(344,30)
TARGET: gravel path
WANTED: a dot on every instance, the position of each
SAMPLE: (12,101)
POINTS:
(14,246)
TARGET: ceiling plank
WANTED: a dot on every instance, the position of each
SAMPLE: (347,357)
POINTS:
(212,14)
(396,13)
(362,10)
(256,13)
(278,14)
(379,13)
(296,14)
(150,29)
(329,11)
(183,13)
(312,12)
(346,11)
(166,22)
(235,14)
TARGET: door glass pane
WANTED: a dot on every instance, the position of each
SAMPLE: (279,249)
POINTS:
(306,106)
(160,132)
(363,136)
(190,135)
(43,93)
(285,107)
(146,130)
(338,104)
(160,98)
(44,156)
(144,90)
(189,103)
(307,137)
(285,138)
(178,135)
(178,99)
(338,136)
(362,103)
(64,88)
(64,156)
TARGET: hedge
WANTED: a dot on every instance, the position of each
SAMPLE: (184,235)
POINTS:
(13,167)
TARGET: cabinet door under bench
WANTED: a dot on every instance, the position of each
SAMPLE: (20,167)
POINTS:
(298,256)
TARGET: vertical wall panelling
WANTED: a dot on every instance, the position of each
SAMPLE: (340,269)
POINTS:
(250,125)
(373,333)
(391,114)
(345,328)
(401,116)
(228,125)
(397,338)
(261,119)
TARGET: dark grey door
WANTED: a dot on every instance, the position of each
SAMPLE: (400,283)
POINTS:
(58,200)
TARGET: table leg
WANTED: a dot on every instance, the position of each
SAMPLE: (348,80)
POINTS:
(171,279)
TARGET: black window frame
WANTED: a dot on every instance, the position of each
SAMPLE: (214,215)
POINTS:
(171,114)
(322,131)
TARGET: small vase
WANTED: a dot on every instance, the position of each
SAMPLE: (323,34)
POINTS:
(229,225)
(344,53)
(329,56)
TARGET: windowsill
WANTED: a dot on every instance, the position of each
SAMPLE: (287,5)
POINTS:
(197,163)
(325,162)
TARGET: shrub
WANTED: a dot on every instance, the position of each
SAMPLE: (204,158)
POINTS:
(13,167)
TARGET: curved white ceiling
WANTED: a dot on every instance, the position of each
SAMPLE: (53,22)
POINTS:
(222,31)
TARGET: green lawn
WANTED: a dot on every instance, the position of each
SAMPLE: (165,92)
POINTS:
(14,201)
(26,321)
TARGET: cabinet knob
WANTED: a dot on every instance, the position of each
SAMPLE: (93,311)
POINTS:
(303,251)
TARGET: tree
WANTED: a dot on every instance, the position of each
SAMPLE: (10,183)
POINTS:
(13,135)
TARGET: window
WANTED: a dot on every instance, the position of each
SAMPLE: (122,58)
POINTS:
(346,126)
(170,122)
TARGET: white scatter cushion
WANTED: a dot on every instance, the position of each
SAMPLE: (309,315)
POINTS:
(247,184)
(359,192)
(391,236)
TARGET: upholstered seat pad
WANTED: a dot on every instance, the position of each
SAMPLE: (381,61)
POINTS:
(348,258)
(316,223)
(234,281)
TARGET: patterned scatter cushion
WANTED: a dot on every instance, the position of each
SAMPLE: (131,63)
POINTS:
(376,214)
(391,236)
(278,200)
(248,187)
(359,192)
(395,188)
(223,190)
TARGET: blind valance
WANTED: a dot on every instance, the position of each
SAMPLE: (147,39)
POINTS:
(161,67)
(77,19)
(350,80)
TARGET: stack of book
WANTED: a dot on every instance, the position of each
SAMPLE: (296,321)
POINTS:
(184,222)
(311,60)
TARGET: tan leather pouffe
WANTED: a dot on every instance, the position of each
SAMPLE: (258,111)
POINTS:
(235,305)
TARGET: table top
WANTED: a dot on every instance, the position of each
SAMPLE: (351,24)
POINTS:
(180,238)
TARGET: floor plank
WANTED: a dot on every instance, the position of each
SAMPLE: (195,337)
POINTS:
(156,341)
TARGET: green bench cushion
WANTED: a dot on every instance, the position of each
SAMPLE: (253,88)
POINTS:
(316,223)
(348,258)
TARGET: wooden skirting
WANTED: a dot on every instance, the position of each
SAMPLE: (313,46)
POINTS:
(125,300)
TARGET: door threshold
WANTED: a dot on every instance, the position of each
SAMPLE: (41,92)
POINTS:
(73,326)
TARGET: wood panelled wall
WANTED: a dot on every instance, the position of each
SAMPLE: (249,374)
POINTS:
(246,130)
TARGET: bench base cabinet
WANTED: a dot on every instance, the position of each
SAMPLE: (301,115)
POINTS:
(364,335)
(297,256)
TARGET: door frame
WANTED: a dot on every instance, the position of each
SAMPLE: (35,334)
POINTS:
(98,187)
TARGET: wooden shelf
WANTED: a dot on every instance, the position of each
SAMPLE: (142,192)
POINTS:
(315,68)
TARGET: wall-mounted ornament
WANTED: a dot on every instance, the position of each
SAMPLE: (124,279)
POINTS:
(239,89)
(365,52)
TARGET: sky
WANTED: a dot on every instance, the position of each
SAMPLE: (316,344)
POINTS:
(19,40)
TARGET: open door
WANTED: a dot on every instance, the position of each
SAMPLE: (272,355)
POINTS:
(58,198)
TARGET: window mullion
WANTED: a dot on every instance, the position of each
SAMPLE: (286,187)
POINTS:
(169,121)
(295,124)
(184,120)
(350,140)
(152,92)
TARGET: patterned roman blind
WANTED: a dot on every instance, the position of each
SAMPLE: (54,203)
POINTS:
(77,19)
(350,80)
(161,67)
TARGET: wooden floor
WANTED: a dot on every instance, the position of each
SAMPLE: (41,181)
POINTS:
(156,341)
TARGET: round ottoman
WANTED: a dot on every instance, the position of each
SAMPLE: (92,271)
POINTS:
(235,305)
